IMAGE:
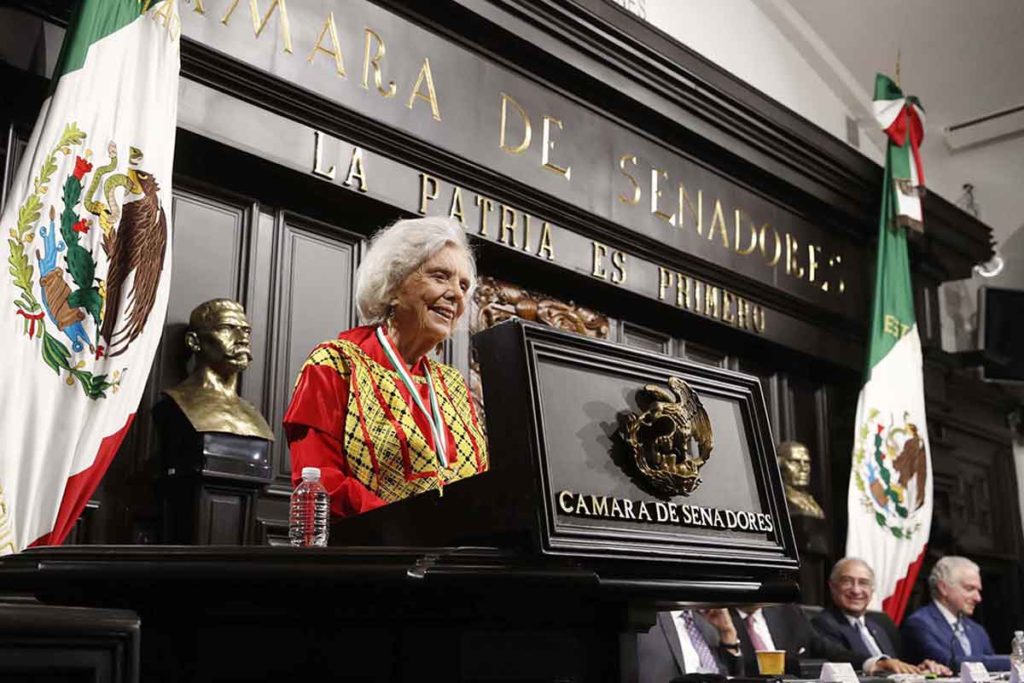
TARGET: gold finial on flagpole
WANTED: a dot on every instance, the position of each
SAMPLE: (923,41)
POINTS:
(898,68)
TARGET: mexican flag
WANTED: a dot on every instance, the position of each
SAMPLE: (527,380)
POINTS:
(890,497)
(88,236)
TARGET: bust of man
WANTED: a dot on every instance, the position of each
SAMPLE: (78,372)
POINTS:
(795,464)
(218,337)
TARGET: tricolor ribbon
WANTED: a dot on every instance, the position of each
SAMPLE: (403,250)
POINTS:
(902,119)
(433,415)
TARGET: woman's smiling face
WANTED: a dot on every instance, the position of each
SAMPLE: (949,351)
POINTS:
(430,301)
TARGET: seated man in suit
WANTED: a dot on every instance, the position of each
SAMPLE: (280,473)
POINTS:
(943,630)
(783,627)
(687,641)
(849,624)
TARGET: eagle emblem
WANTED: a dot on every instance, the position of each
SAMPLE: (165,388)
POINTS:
(670,440)
(891,472)
(99,248)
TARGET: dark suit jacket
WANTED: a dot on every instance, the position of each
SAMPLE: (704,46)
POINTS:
(927,635)
(792,632)
(659,657)
(834,625)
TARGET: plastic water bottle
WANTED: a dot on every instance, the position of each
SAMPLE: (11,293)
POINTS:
(310,508)
(1017,650)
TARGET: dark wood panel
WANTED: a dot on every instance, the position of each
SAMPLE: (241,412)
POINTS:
(642,338)
(314,269)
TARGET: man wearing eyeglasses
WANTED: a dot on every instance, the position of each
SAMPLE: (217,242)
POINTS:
(872,635)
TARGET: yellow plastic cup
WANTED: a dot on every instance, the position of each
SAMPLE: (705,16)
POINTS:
(771,662)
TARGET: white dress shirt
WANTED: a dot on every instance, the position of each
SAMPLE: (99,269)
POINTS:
(950,617)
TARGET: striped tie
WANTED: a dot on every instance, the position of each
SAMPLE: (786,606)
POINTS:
(708,664)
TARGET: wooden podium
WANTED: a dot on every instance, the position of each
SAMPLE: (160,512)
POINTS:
(509,576)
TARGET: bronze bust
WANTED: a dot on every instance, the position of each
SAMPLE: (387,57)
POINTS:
(795,463)
(218,337)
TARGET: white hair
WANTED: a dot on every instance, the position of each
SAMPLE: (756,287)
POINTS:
(947,569)
(837,568)
(395,253)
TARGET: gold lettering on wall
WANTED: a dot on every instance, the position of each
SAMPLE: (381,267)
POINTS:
(318,154)
(356,171)
(635,197)
(330,30)
(373,38)
(619,264)
(762,244)
(506,101)
(664,281)
(686,203)
(718,225)
(455,207)
(657,174)
(737,239)
(428,191)
(813,254)
(793,266)
(258,25)
(430,96)
(683,292)
(728,307)
(709,300)
(549,146)
(546,248)
(485,205)
(600,251)
(507,231)
(198,7)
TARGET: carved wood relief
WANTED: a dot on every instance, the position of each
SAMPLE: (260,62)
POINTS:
(495,301)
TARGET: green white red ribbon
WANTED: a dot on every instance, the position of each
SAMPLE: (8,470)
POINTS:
(433,415)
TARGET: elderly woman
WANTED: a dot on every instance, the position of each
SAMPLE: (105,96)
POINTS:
(381,420)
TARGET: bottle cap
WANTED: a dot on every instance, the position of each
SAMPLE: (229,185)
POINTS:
(310,473)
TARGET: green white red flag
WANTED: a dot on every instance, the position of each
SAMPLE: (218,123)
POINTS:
(88,234)
(890,496)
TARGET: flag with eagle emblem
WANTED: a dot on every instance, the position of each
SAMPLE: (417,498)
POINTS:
(88,233)
(890,497)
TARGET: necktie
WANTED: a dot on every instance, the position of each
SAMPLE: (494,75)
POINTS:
(869,640)
(707,660)
(961,635)
(755,639)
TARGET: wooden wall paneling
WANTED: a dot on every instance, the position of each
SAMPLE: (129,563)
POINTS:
(644,338)
(314,267)
(703,354)
(769,378)
(258,308)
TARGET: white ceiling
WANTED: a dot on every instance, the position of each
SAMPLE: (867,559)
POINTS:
(963,58)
